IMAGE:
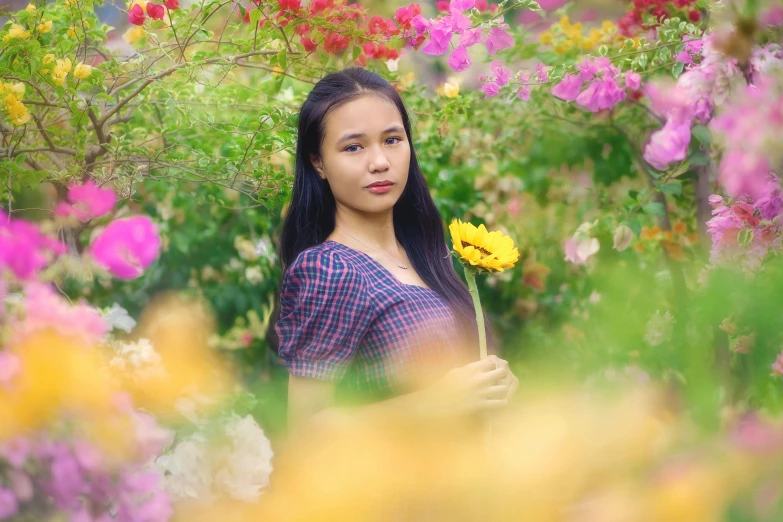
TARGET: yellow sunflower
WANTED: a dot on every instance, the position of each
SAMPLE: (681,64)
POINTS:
(487,251)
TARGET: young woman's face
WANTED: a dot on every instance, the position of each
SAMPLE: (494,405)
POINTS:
(365,143)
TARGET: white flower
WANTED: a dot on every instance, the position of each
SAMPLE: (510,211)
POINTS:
(393,65)
(659,328)
(246,465)
(253,274)
(188,471)
(118,318)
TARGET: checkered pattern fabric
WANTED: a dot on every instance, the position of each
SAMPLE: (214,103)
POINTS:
(345,318)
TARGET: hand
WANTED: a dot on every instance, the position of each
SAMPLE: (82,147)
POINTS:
(481,385)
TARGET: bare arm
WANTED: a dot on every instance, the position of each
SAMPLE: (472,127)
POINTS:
(480,385)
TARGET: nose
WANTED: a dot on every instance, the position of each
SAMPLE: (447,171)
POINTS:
(379,162)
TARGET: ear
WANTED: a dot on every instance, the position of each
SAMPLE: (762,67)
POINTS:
(318,164)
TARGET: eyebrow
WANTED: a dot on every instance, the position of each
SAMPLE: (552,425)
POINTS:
(355,135)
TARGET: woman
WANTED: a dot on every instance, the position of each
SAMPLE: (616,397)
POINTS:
(371,309)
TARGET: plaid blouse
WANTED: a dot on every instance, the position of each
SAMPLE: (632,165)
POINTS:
(345,318)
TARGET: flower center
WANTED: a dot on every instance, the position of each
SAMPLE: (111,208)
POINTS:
(483,251)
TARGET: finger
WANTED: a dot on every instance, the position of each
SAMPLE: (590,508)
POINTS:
(512,388)
(483,365)
(491,377)
(492,404)
(494,392)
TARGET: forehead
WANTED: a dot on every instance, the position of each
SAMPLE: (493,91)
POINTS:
(367,114)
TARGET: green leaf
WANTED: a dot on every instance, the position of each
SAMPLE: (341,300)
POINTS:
(255,16)
(745,236)
(633,194)
(635,226)
(675,188)
(282,58)
(703,134)
(698,158)
(687,175)
(654,208)
(677,69)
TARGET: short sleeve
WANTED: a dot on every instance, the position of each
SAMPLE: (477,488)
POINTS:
(325,311)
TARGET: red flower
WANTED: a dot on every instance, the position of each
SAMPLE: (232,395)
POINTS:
(303,29)
(309,44)
(172,4)
(745,213)
(694,16)
(246,18)
(289,5)
(404,15)
(335,43)
(320,5)
(442,6)
(136,15)
(155,11)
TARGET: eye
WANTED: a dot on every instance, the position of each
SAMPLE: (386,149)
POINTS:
(395,138)
(350,148)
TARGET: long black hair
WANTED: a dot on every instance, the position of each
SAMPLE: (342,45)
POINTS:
(310,217)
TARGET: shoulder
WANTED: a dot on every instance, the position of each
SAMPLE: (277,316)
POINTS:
(324,269)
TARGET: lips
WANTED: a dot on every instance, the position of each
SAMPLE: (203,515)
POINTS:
(381,184)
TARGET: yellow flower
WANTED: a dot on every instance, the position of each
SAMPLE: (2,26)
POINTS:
(30,8)
(49,58)
(546,37)
(488,251)
(565,23)
(133,34)
(16,31)
(563,47)
(18,113)
(450,90)
(276,70)
(608,27)
(44,27)
(71,32)
(82,71)
(70,2)
(61,70)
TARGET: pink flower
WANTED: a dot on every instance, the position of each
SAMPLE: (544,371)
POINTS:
(542,72)
(568,89)
(579,250)
(461,5)
(155,11)
(691,47)
(66,482)
(44,308)
(87,201)
(524,93)
(9,506)
(457,22)
(459,59)
(136,15)
(502,75)
(126,247)
(490,89)
(470,37)
(633,80)
(742,173)
(440,36)
(497,40)
(172,4)
(773,16)
(777,366)
(420,24)
(668,145)
(9,366)
(24,250)
(589,69)
(600,95)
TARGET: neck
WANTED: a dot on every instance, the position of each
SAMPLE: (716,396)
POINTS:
(374,230)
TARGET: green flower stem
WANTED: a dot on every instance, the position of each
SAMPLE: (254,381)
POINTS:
(470,276)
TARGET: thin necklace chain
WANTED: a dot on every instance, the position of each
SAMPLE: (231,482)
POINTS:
(371,248)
